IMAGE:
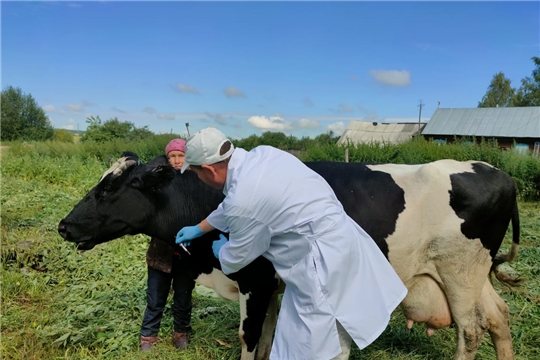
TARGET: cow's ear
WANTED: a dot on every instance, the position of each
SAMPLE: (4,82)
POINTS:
(154,179)
(130,155)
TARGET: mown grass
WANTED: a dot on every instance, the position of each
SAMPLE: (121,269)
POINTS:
(58,303)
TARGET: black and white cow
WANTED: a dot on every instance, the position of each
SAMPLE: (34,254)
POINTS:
(440,225)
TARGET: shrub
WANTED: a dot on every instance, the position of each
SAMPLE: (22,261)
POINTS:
(63,136)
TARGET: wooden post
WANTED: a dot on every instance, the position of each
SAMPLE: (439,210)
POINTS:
(346,154)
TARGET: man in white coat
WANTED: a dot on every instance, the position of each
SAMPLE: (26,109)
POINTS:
(277,207)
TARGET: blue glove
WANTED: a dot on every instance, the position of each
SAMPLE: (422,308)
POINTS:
(188,233)
(217,244)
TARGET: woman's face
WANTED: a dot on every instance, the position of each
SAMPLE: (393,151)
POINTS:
(176,159)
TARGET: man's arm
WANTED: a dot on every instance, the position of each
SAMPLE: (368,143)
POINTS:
(216,220)
(248,239)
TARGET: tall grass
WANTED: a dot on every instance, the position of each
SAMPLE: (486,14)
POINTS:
(524,169)
(58,303)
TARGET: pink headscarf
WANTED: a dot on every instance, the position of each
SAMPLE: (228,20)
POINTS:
(176,145)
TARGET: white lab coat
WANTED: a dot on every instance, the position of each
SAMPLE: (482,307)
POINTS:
(277,207)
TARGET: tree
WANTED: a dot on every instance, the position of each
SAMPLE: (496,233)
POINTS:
(113,129)
(529,92)
(329,138)
(22,118)
(499,94)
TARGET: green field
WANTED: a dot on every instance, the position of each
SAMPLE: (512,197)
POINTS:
(58,303)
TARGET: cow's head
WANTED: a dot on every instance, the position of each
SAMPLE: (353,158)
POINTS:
(120,204)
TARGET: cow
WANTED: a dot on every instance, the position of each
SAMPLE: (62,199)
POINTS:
(439,224)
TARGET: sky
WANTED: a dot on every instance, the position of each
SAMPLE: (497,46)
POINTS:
(302,68)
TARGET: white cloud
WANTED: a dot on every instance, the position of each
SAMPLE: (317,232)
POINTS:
(307,102)
(71,125)
(187,89)
(49,108)
(271,123)
(166,116)
(343,109)
(307,124)
(149,110)
(76,108)
(338,127)
(217,118)
(392,77)
(233,92)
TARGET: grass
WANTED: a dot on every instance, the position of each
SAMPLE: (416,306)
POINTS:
(58,303)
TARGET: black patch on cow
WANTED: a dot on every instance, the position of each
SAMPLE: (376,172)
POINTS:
(371,198)
(486,201)
(260,281)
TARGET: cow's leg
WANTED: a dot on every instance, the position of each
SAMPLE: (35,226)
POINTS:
(253,309)
(248,353)
(265,342)
(463,282)
(498,316)
(345,342)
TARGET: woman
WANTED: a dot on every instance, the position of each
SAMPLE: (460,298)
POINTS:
(164,269)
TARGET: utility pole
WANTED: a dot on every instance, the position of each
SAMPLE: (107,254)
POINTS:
(187,127)
(419,116)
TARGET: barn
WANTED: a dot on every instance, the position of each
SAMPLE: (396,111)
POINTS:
(519,125)
(358,132)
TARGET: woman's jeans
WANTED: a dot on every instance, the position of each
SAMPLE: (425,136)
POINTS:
(159,284)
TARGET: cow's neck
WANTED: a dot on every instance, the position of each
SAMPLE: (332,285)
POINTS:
(172,211)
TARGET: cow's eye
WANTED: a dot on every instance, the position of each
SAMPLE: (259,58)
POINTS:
(104,191)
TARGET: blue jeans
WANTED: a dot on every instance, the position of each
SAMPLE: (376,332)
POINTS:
(159,285)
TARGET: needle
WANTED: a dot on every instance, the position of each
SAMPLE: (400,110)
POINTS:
(183,247)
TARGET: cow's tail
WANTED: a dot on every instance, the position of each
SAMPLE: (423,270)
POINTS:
(504,278)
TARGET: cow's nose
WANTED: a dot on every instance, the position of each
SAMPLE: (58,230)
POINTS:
(62,229)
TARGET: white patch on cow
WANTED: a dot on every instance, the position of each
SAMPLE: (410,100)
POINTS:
(221,284)
(449,270)
(427,214)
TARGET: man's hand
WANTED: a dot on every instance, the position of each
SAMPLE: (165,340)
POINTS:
(188,233)
(216,245)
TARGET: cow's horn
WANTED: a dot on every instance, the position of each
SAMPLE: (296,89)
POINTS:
(118,167)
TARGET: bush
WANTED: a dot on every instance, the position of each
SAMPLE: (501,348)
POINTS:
(113,129)
(63,136)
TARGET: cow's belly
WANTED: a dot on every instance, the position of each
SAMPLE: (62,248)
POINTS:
(221,284)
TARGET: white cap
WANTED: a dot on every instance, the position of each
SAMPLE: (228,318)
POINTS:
(203,148)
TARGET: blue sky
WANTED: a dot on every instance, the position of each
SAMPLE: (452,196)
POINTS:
(246,67)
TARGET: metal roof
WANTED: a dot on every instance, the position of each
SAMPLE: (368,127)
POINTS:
(516,122)
(368,132)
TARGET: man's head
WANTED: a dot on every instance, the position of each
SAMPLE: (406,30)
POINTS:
(207,154)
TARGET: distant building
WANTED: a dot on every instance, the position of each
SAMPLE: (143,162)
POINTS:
(506,125)
(358,132)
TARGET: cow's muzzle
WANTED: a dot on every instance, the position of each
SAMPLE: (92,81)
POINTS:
(62,230)
(82,244)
